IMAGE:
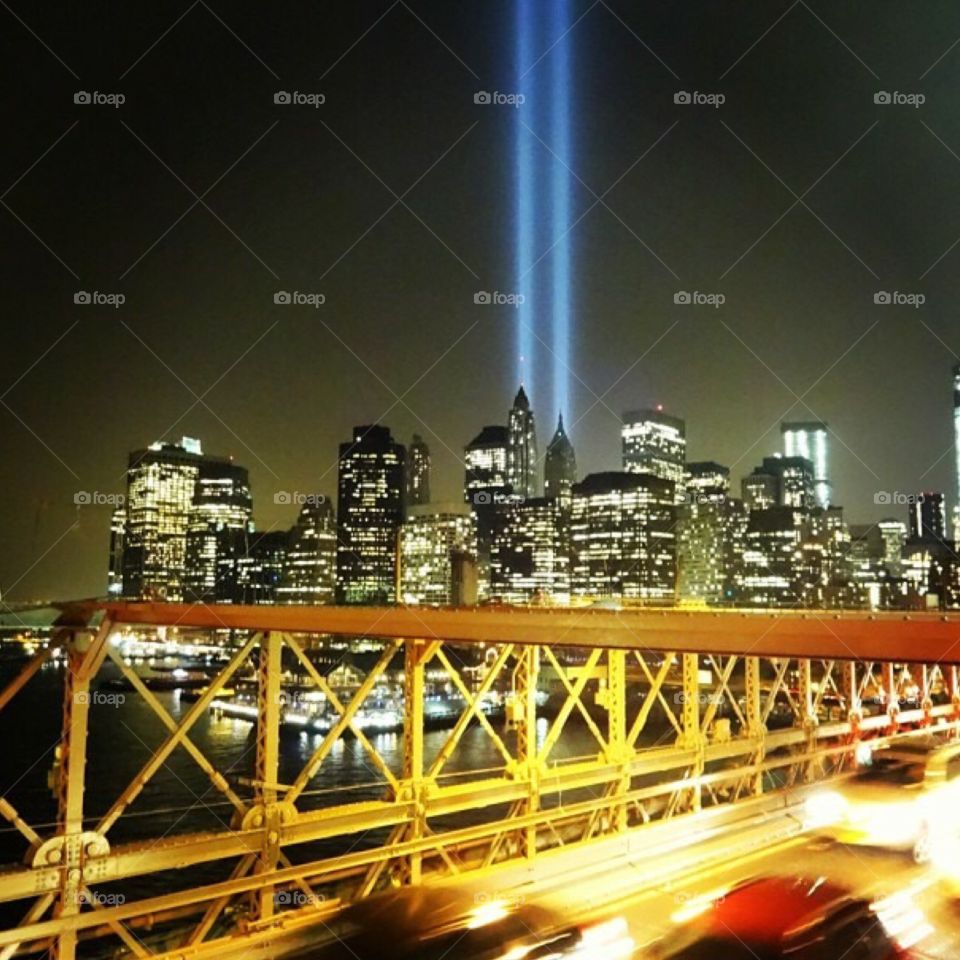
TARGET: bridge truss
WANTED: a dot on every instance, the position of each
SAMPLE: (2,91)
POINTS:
(680,711)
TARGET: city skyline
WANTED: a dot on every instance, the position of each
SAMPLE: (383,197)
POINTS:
(695,196)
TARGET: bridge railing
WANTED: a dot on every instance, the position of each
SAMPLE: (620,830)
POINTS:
(647,717)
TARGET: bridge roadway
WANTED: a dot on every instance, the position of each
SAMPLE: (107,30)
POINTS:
(656,877)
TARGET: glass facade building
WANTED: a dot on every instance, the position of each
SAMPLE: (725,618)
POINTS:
(654,442)
(370,507)
(810,440)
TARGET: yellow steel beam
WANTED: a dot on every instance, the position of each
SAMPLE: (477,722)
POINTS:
(840,635)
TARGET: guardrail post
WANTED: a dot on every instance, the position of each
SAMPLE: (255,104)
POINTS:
(893,695)
(525,679)
(413,722)
(810,719)
(692,738)
(83,660)
(616,696)
(269,716)
(852,694)
(756,730)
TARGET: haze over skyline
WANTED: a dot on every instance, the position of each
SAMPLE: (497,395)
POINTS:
(797,199)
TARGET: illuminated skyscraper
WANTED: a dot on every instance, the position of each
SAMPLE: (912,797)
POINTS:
(928,517)
(310,561)
(433,539)
(780,481)
(707,481)
(219,522)
(118,527)
(160,486)
(655,443)
(418,472)
(260,569)
(560,466)
(530,554)
(486,465)
(811,440)
(370,501)
(522,447)
(623,542)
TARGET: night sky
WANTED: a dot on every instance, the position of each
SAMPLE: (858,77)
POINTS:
(199,198)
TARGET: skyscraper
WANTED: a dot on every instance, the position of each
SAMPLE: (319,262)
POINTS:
(118,528)
(485,457)
(928,517)
(622,537)
(160,486)
(432,539)
(220,520)
(655,443)
(370,505)
(810,439)
(522,448)
(418,472)
(707,481)
(560,466)
(530,553)
(310,561)
(783,481)
(260,569)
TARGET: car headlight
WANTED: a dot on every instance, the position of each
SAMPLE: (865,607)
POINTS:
(824,808)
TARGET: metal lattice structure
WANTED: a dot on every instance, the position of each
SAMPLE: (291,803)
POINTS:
(682,710)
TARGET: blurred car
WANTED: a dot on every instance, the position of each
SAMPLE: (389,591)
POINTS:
(793,918)
(435,923)
(903,797)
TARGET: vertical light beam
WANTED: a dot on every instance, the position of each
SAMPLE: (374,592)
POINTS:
(560,203)
(525,213)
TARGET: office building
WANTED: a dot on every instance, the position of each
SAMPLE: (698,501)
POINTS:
(437,542)
(655,443)
(486,465)
(810,440)
(711,533)
(928,517)
(560,466)
(219,521)
(260,569)
(418,472)
(310,562)
(160,486)
(530,552)
(118,526)
(706,481)
(522,468)
(370,506)
(780,481)
(622,537)
(773,558)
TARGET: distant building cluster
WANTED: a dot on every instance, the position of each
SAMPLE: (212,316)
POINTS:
(662,530)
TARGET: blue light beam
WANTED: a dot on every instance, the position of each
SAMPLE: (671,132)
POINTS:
(525,206)
(560,204)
